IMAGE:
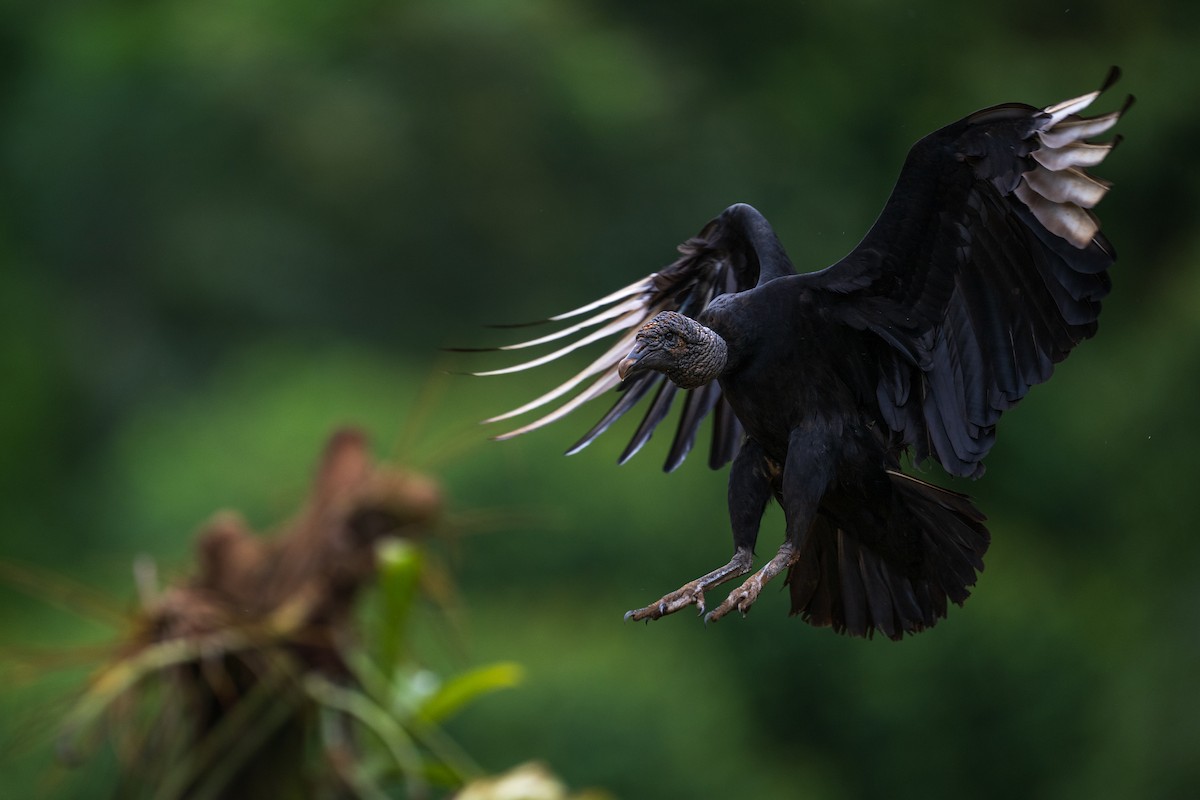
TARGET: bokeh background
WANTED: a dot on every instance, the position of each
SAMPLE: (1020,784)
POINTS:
(227,227)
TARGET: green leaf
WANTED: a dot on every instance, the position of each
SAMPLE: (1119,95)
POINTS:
(462,689)
(398,565)
(395,738)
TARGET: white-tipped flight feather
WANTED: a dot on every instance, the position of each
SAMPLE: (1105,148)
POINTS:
(606,361)
(1058,191)
(608,313)
(1067,186)
(1060,111)
(1074,130)
(1075,154)
(609,329)
(606,381)
(638,287)
(1067,220)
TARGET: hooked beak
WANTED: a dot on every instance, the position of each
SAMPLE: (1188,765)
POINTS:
(631,363)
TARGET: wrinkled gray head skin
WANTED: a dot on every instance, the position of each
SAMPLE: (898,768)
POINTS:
(689,354)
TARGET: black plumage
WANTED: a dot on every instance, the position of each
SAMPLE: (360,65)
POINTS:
(985,268)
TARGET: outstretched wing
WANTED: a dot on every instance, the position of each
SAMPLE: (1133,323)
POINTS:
(985,268)
(722,258)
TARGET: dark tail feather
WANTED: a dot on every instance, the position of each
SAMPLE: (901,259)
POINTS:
(895,581)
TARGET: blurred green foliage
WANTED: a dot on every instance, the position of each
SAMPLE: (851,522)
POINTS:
(227,227)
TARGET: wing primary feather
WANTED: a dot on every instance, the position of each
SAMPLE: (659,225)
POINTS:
(1114,75)
(602,385)
(726,435)
(507,325)
(1060,111)
(1070,185)
(613,327)
(1074,130)
(644,285)
(637,388)
(658,409)
(608,313)
(1067,220)
(1074,154)
(606,361)
(699,402)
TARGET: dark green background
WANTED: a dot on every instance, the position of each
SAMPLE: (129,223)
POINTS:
(226,227)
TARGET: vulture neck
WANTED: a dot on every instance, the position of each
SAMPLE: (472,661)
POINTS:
(773,261)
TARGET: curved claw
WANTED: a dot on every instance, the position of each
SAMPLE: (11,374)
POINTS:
(741,598)
(720,611)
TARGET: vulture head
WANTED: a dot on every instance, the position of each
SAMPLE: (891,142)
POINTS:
(689,354)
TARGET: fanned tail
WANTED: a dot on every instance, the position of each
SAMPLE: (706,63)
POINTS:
(857,582)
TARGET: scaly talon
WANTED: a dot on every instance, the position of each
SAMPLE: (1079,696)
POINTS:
(741,598)
(692,593)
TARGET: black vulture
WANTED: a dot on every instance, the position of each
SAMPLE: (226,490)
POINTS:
(985,268)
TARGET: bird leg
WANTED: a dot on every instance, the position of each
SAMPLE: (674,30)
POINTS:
(807,474)
(744,596)
(692,593)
